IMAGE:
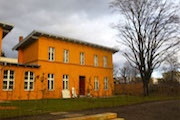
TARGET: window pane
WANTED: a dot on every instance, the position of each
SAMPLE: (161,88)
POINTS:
(51,53)
(25,85)
(52,57)
(31,85)
(49,56)
(66,84)
(63,84)
(82,58)
(105,83)
(48,84)
(5,74)
(52,84)
(105,61)
(4,84)
(31,75)
(11,72)
(26,76)
(95,60)
(11,85)
(11,76)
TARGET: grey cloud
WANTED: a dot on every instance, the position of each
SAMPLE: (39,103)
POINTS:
(87,20)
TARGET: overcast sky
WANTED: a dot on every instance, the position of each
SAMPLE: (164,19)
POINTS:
(88,20)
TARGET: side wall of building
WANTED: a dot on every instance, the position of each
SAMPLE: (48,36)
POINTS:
(74,52)
(1,35)
(30,53)
(37,53)
(18,93)
(73,68)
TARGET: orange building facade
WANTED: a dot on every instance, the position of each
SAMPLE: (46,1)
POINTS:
(53,66)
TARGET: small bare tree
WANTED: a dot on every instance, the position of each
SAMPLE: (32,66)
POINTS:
(125,72)
(171,67)
(150,31)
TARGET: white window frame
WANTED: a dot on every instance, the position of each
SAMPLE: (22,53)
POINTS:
(106,83)
(105,61)
(96,84)
(29,80)
(66,56)
(95,60)
(82,58)
(50,81)
(51,54)
(8,80)
(65,82)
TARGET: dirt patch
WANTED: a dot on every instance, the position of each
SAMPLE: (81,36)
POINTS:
(162,110)
(7,108)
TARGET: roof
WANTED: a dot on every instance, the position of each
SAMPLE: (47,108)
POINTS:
(18,64)
(34,35)
(6,28)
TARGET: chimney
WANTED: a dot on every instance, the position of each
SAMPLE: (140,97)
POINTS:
(20,52)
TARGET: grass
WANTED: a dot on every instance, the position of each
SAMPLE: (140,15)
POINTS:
(33,107)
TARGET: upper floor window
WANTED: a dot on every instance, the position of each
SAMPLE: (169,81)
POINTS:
(51,54)
(65,82)
(66,56)
(105,83)
(50,81)
(96,83)
(29,81)
(8,80)
(95,60)
(105,61)
(82,58)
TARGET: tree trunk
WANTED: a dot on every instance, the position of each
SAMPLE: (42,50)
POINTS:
(146,88)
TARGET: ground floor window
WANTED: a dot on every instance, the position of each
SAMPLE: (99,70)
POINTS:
(96,83)
(8,80)
(50,81)
(105,83)
(29,80)
(65,82)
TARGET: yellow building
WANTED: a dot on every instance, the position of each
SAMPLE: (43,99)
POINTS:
(53,66)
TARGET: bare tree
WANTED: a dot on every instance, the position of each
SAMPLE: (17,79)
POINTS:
(171,67)
(125,72)
(115,70)
(3,54)
(150,31)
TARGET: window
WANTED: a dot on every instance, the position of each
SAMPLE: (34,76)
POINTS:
(105,61)
(8,80)
(50,81)
(95,60)
(66,56)
(51,53)
(96,83)
(82,58)
(105,83)
(29,81)
(65,82)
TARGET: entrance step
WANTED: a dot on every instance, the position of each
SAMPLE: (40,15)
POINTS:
(82,96)
(118,119)
(104,116)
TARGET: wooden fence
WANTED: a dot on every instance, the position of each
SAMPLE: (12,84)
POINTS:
(128,89)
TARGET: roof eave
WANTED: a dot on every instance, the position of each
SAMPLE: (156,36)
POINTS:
(35,34)
(6,28)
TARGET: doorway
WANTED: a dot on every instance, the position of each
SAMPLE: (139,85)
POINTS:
(81,85)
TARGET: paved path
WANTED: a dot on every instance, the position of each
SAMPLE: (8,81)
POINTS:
(164,110)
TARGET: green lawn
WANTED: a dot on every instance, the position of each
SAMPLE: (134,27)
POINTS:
(32,107)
